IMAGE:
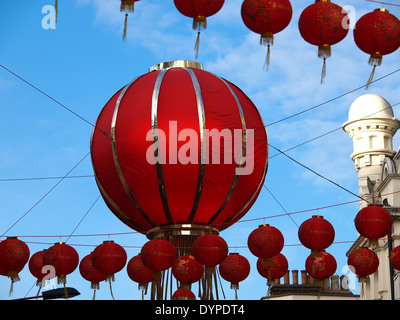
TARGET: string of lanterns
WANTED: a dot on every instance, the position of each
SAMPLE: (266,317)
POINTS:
(322,24)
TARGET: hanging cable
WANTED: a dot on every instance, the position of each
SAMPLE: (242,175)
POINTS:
(51,98)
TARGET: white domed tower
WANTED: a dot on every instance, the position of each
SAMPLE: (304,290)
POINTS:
(371,125)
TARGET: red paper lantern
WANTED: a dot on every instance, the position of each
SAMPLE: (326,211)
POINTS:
(14,254)
(321,265)
(63,258)
(154,169)
(274,268)
(266,17)
(36,265)
(373,222)
(109,258)
(158,254)
(265,241)
(377,33)
(235,268)
(187,270)
(316,233)
(90,273)
(183,294)
(199,10)
(322,24)
(363,262)
(210,249)
(139,273)
(394,258)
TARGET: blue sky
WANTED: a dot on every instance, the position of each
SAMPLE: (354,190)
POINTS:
(84,61)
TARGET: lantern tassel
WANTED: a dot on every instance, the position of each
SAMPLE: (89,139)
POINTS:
(323,73)
(371,77)
(267,58)
(13,275)
(125,27)
(197,45)
(56,9)
(112,295)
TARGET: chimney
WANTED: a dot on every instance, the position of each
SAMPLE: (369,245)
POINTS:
(303,276)
(286,278)
(295,275)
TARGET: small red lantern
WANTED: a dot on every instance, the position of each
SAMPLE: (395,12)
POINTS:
(265,241)
(90,273)
(266,17)
(183,294)
(36,265)
(14,254)
(321,24)
(274,268)
(139,273)
(363,262)
(63,258)
(210,250)
(235,268)
(395,258)
(373,222)
(187,270)
(377,33)
(199,11)
(316,233)
(109,258)
(158,254)
(127,6)
(321,265)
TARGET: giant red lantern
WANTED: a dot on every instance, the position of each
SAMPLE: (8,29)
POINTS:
(363,262)
(235,268)
(316,233)
(109,258)
(199,10)
(155,167)
(274,268)
(63,258)
(394,258)
(266,17)
(373,222)
(139,273)
(321,265)
(14,254)
(265,242)
(322,24)
(187,270)
(377,33)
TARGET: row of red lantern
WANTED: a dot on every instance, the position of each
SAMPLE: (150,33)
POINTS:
(109,258)
(322,24)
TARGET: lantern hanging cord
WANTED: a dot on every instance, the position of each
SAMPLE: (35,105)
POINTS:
(56,101)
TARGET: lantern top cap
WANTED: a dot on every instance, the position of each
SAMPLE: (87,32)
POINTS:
(382,10)
(176,64)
